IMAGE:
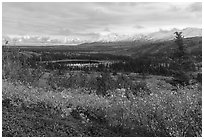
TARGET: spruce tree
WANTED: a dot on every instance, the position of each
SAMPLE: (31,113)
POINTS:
(179,42)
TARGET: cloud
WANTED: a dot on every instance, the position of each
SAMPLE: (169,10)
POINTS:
(138,27)
(195,7)
(106,29)
(90,19)
(63,31)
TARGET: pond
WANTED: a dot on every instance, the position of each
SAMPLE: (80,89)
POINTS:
(78,63)
(73,61)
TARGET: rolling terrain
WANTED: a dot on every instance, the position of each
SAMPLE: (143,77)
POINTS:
(47,90)
(135,49)
(128,48)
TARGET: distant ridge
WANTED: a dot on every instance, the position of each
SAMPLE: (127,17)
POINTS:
(160,35)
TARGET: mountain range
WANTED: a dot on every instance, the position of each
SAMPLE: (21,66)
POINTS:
(160,35)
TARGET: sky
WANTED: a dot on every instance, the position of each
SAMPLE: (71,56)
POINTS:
(90,20)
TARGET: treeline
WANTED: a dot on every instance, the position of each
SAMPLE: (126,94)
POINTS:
(155,65)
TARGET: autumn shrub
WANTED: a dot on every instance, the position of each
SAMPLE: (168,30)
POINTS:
(165,113)
(15,68)
(181,78)
(199,77)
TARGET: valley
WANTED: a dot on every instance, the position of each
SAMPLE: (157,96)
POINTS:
(107,89)
(102,69)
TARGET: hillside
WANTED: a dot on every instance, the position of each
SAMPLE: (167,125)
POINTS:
(126,48)
(193,45)
(140,48)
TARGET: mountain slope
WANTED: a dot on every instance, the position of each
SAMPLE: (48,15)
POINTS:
(139,48)
(192,45)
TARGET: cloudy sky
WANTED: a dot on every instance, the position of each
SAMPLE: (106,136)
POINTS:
(89,20)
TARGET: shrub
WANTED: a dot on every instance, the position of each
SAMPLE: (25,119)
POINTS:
(181,78)
(199,77)
(163,113)
(15,67)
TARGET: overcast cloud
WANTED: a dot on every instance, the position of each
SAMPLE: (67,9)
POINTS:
(92,19)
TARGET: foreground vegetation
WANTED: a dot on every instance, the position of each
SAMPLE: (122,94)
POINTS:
(162,113)
(37,101)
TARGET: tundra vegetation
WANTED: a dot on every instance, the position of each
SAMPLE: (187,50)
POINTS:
(152,96)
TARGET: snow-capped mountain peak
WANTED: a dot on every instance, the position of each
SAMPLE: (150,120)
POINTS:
(103,37)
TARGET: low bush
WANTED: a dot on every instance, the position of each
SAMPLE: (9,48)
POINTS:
(199,77)
(160,114)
